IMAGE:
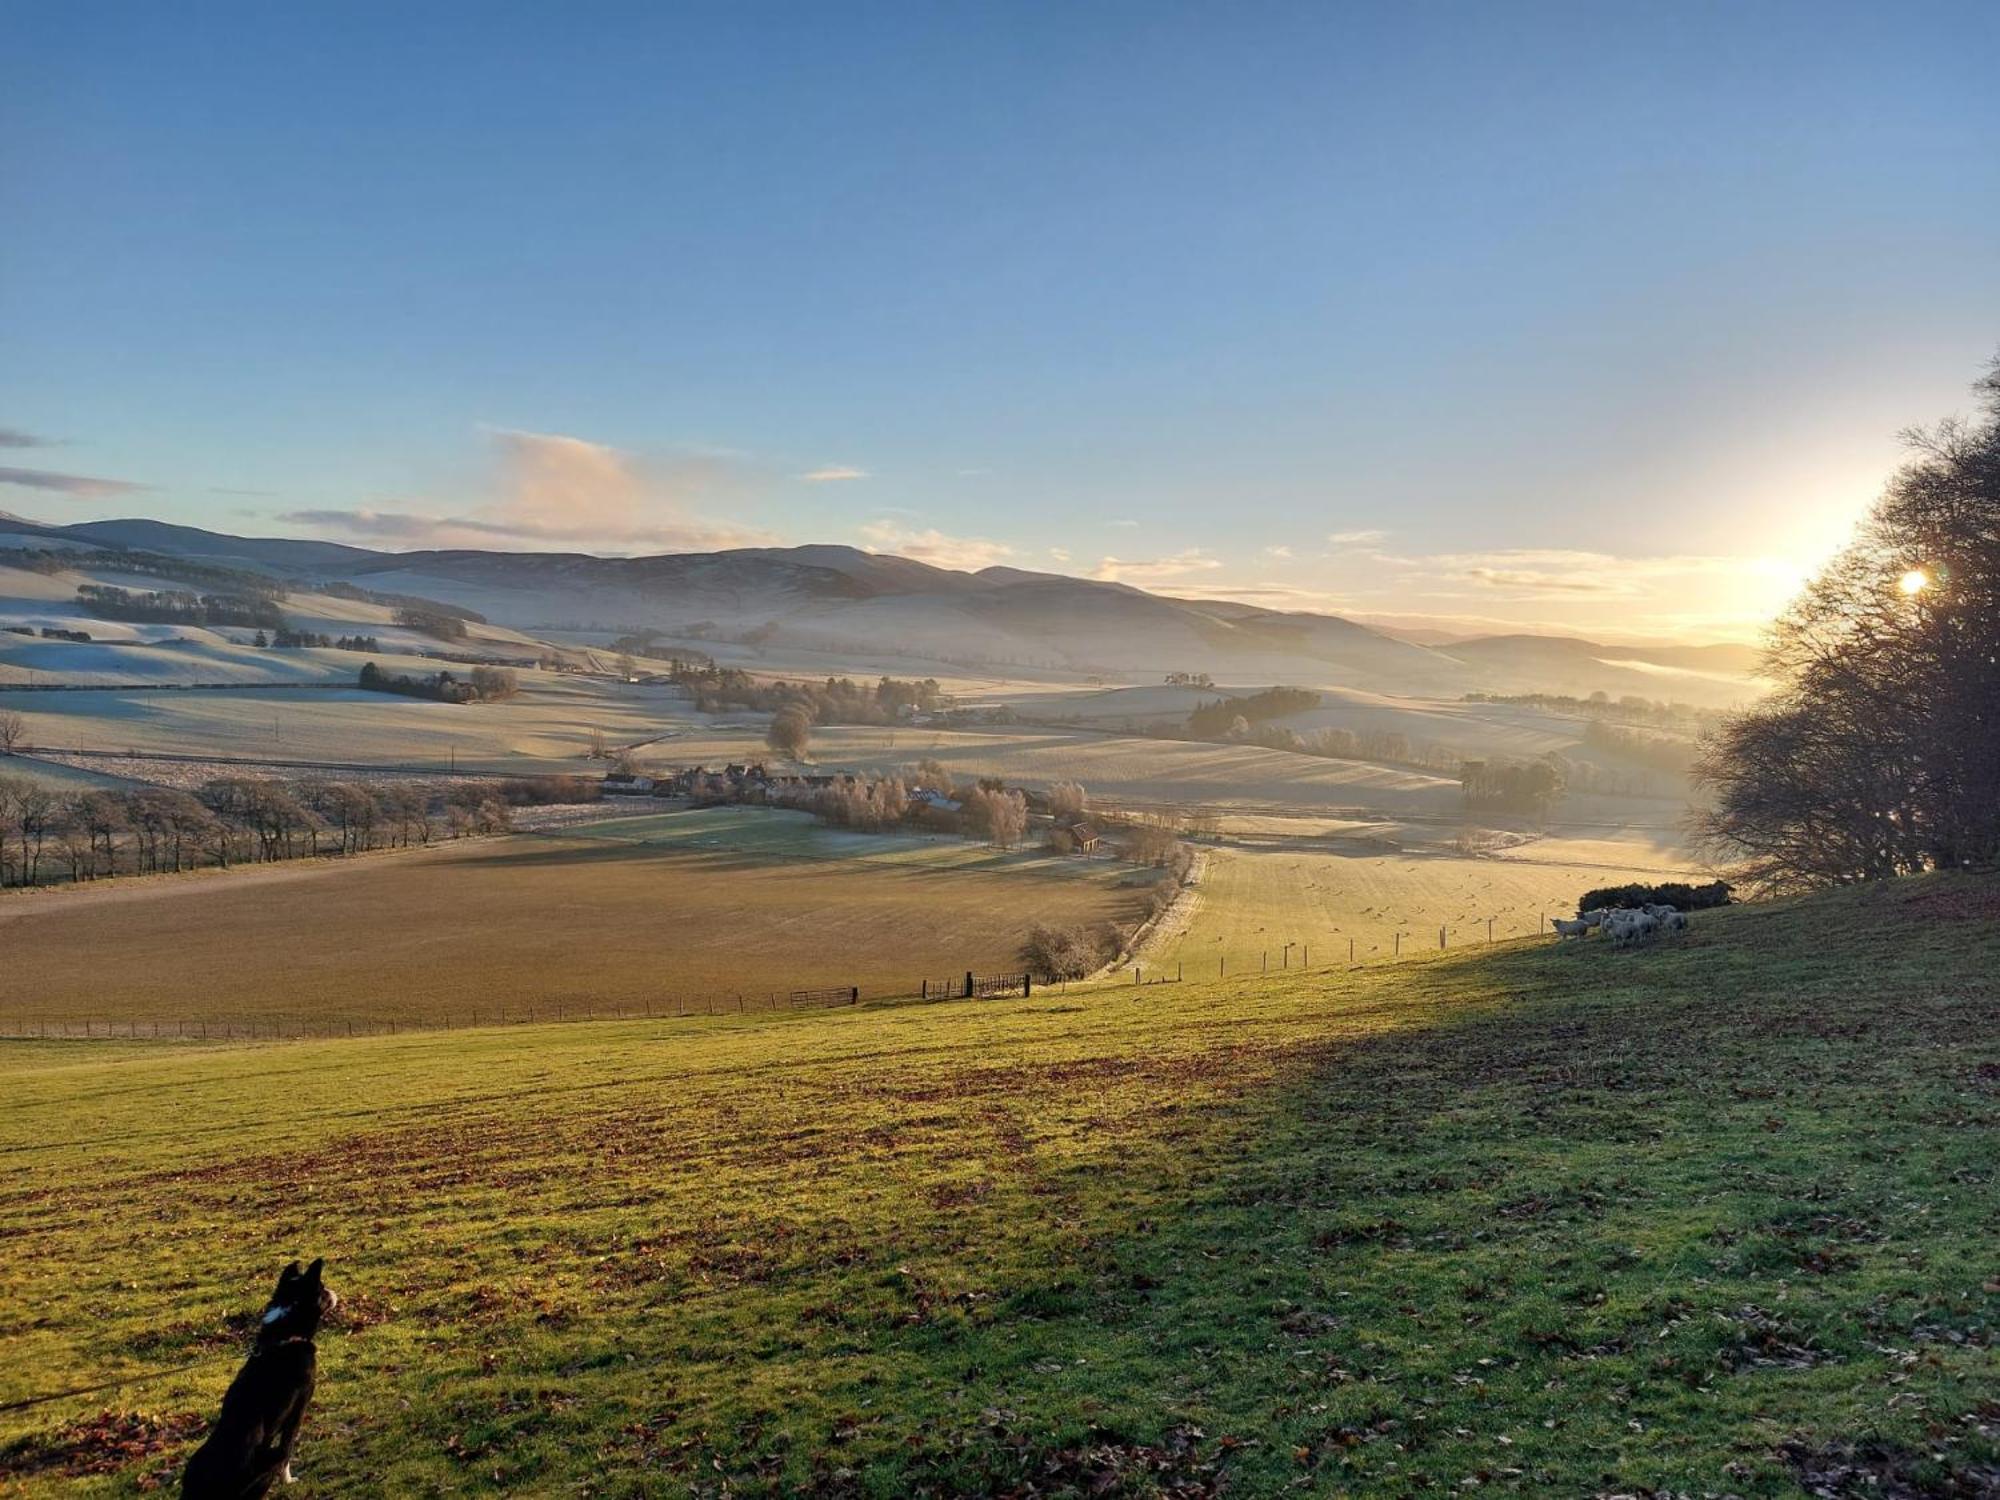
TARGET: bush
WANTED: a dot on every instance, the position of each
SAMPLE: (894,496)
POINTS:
(1675,893)
(1068,952)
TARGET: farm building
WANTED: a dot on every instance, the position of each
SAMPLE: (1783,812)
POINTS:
(1084,838)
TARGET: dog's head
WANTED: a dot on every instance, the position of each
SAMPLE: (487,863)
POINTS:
(299,1302)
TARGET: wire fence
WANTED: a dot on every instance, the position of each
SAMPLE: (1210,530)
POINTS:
(1291,957)
(20,1024)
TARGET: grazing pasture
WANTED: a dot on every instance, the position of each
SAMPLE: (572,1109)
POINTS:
(1715,1218)
(1255,899)
(522,923)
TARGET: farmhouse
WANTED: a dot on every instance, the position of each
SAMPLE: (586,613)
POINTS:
(1085,838)
(625,784)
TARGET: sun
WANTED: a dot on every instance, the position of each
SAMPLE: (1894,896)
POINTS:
(1914,582)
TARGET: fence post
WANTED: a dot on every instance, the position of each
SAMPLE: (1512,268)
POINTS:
(854,994)
(1267,960)
(1350,950)
(1440,937)
(968,984)
(1027,984)
(1399,945)
(1135,973)
(1489,929)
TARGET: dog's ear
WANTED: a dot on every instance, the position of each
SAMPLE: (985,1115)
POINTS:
(286,1278)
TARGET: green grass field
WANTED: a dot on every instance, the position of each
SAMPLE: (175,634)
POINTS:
(778,833)
(1714,1218)
(1254,900)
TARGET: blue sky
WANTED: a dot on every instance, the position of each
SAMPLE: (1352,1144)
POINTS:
(1596,317)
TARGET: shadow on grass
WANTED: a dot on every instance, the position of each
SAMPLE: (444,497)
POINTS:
(1708,1220)
(1552,1220)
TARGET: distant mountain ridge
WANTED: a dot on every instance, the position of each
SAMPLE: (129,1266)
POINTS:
(837,598)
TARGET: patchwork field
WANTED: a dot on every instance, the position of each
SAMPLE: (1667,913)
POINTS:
(520,924)
(1254,900)
(1115,768)
(1710,1219)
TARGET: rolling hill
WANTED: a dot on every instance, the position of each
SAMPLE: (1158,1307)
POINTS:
(836,598)
(1711,1218)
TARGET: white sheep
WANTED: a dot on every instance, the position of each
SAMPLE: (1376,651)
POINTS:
(1580,928)
(1627,928)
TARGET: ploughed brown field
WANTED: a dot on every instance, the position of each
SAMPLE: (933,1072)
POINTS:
(498,930)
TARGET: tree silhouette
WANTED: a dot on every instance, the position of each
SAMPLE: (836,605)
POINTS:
(1878,753)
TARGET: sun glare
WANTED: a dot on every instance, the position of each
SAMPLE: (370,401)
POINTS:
(1914,582)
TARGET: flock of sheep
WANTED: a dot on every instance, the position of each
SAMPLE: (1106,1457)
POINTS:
(1626,927)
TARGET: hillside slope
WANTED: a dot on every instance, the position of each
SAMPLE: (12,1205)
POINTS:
(838,598)
(1554,1220)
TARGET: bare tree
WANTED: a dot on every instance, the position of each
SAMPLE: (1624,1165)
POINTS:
(1068,801)
(790,733)
(13,731)
(998,816)
(1878,753)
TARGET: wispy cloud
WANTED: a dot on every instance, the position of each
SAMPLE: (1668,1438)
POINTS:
(1188,562)
(833,474)
(969,553)
(1281,552)
(1356,538)
(1060,554)
(552,488)
(1519,578)
(13,437)
(76,486)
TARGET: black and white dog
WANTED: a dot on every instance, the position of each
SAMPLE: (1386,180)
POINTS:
(250,1447)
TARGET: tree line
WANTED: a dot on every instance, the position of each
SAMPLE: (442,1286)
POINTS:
(179,607)
(482,685)
(289,639)
(1630,708)
(101,832)
(1220,719)
(837,700)
(432,620)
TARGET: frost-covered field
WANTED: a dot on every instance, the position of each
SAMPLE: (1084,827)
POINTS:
(547,728)
(1115,768)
